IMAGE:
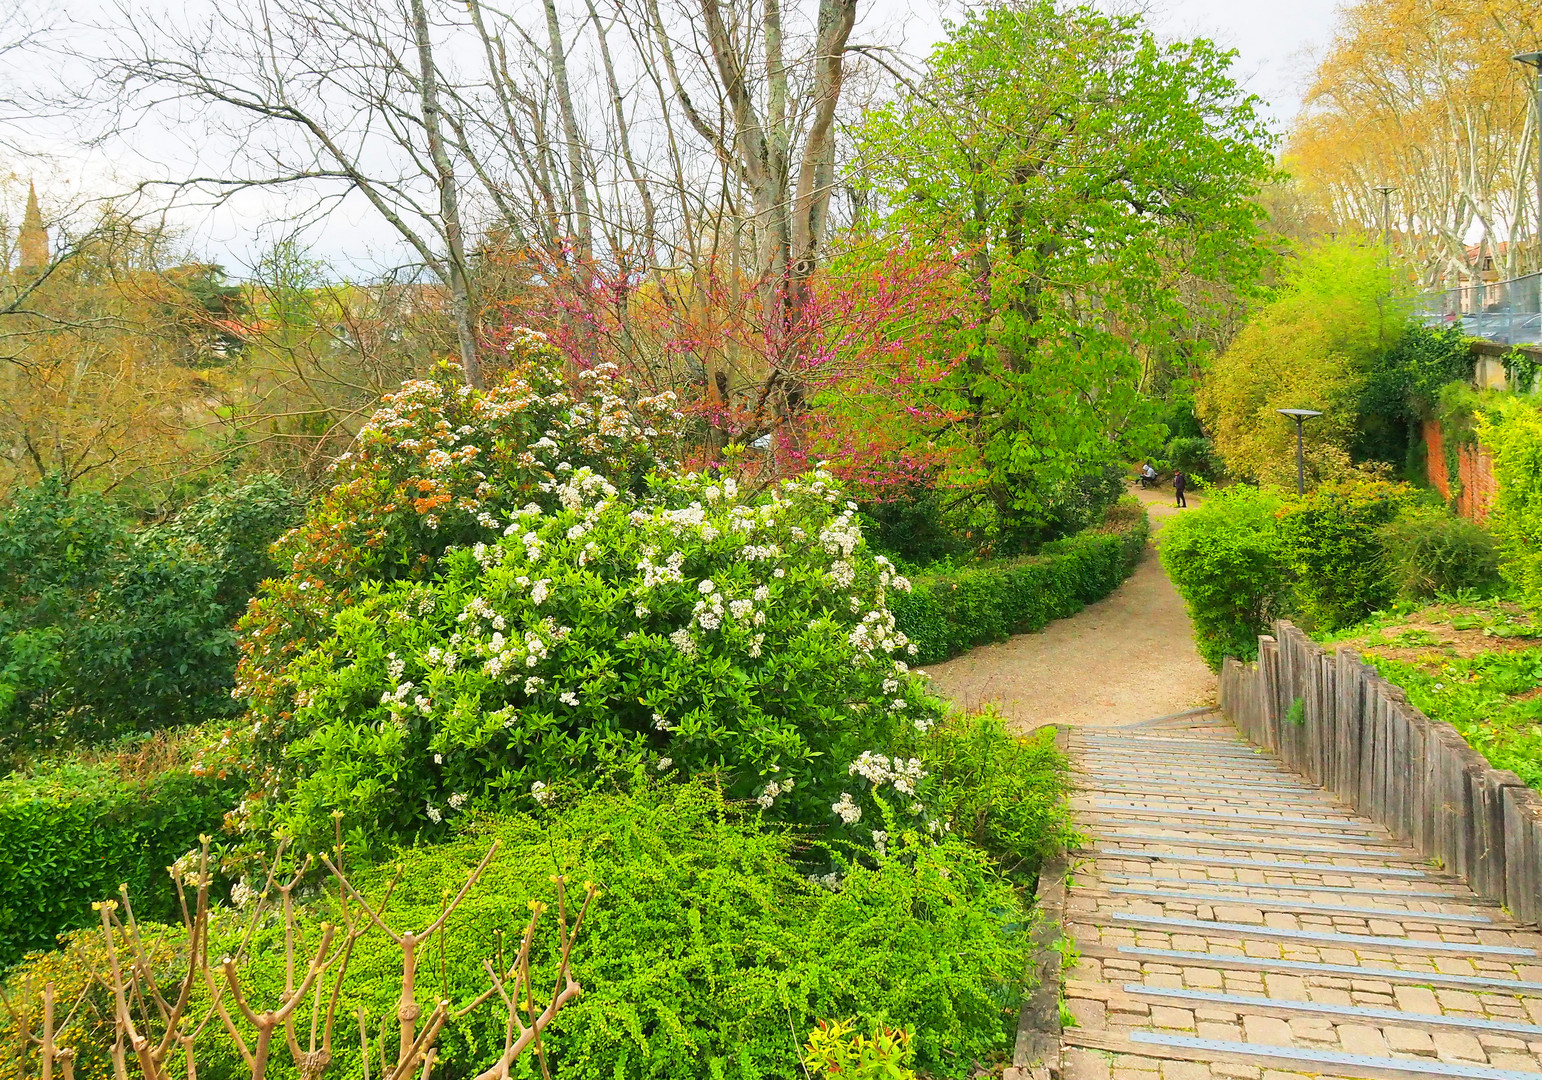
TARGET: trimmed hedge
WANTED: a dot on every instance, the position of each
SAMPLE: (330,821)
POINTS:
(949,613)
(73,834)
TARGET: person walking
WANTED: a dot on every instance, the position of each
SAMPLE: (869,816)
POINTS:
(1180,485)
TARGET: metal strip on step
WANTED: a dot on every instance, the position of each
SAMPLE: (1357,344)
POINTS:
(1100,735)
(1198,748)
(1261,864)
(1181,753)
(1262,819)
(1221,822)
(1249,930)
(1189,766)
(1341,890)
(1354,1012)
(1243,845)
(1418,1066)
(1300,796)
(1218,782)
(1182,958)
(1204,710)
(1268,904)
(1218,829)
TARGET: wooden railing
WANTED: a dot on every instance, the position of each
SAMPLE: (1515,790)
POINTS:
(1354,734)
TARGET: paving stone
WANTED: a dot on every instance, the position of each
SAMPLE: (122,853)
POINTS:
(1079,1064)
(1457,1046)
(1089,1014)
(1185,1070)
(1165,1016)
(1270,1030)
(1417,999)
(1403,1040)
(1517,1062)
(1359,1039)
(1232,1070)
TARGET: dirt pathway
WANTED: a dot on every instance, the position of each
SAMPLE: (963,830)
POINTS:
(1128,657)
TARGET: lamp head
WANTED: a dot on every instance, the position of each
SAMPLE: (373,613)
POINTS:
(1298,415)
(1532,58)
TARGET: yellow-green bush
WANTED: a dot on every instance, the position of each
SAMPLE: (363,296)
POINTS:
(1312,346)
(1512,431)
(709,949)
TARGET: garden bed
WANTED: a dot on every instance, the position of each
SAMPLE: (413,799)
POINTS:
(1476,666)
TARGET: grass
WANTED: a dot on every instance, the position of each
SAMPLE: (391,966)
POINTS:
(1477,665)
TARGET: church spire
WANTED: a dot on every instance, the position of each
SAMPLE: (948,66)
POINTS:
(33,239)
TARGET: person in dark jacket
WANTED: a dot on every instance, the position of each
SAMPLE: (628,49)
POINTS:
(1180,485)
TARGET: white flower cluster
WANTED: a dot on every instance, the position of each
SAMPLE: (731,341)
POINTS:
(655,575)
(880,769)
(846,810)
(769,794)
(877,633)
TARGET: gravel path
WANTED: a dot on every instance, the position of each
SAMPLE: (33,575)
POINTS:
(1128,657)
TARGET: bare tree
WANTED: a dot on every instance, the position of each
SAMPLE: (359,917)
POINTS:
(704,146)
(159,1025)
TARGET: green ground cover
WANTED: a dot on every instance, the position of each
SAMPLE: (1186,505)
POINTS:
(1476,666)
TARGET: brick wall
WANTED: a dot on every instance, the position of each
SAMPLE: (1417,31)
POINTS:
(1475,471)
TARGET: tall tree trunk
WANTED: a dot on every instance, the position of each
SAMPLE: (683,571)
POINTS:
(449,200)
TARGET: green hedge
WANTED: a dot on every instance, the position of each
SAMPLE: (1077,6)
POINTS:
(73,834)
(949,613)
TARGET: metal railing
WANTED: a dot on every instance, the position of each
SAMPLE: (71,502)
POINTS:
(1504,312)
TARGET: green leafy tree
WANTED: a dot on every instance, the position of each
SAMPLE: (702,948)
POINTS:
(104,630)
(1100,188)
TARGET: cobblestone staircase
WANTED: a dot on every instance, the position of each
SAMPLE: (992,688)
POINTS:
(1233,921)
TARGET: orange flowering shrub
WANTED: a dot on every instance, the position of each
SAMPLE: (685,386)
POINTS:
(439,466)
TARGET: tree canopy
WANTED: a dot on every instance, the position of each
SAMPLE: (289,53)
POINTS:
(1098,188)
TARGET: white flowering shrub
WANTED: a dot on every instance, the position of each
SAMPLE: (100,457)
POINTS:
(438,466)
(691,629)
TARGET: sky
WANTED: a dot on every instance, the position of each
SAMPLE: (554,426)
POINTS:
(1276,41)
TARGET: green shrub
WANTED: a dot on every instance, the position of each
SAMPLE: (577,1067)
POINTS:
(911,526)
(440,466)
(1333,544)
(1513,433)
(694,629)
(104,631)
(1433,554)
(1227,560)
(708,954)
(1195,456)
(72,833)
(1402,388)
(1003,793)
(951,612)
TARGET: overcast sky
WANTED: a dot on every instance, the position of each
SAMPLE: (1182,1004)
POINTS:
(1275,39)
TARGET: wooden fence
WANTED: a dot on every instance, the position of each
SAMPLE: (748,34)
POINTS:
(1355,735)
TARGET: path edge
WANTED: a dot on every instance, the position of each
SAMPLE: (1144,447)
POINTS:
(1036,1050)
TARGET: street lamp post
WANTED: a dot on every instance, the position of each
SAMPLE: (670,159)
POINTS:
(1386,191)
(1300,416)
(1535,60)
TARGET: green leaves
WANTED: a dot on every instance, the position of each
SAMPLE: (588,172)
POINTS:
(1101,188)
(104,631)
(73,833)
